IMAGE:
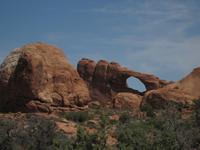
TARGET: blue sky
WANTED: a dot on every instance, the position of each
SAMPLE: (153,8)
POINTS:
(154,36)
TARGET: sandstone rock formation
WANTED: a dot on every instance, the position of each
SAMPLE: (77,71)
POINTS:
(107,81)
(191,83)
(104,77)
(38,76)
(171,93)
(184,91)
(127,101)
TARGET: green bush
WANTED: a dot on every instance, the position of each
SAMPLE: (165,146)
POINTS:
(164,131)
(197,111)
(125,117)
(86,141)
(62,142)
(32,134)
(167,131)
(144,135)
(148,109)
(80,116)
(6,126)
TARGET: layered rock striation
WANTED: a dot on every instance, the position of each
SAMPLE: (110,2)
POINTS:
(107,77)
(184,91)
(108,81)
(38,77)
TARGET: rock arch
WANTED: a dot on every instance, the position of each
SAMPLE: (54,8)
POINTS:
(110,76)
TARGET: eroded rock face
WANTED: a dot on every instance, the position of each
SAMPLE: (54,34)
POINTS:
(127,101)
(37,77)
(184,91)
(160,97)
(108,79)
(191,83)
(40,72)
(105,77)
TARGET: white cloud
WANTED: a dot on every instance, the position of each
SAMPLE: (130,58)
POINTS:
(166,54)
(152,35)
(158,42)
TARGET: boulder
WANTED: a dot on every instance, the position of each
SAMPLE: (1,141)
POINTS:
(127,101)
(40,72)
(184,91)
(160,97)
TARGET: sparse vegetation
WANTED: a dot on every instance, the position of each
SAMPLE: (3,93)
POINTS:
(165,129)
(125,117)
(36,133)
(149,110)
(197,111)
(80,116)
(85,141)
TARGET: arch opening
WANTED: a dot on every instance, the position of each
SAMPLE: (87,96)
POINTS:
(135,84)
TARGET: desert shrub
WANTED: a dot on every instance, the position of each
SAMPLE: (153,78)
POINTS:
(174,105)
(125,117)
(86,141)
(104,121)
(148,109)
(133,135)
(93,141)
(62,142)
(103,111)
(186,133)
(33,134)
(166,131)
(145,135)
(6,126)
(80,116)
(168,105)
(197,103)
(38,133)
(197,111)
